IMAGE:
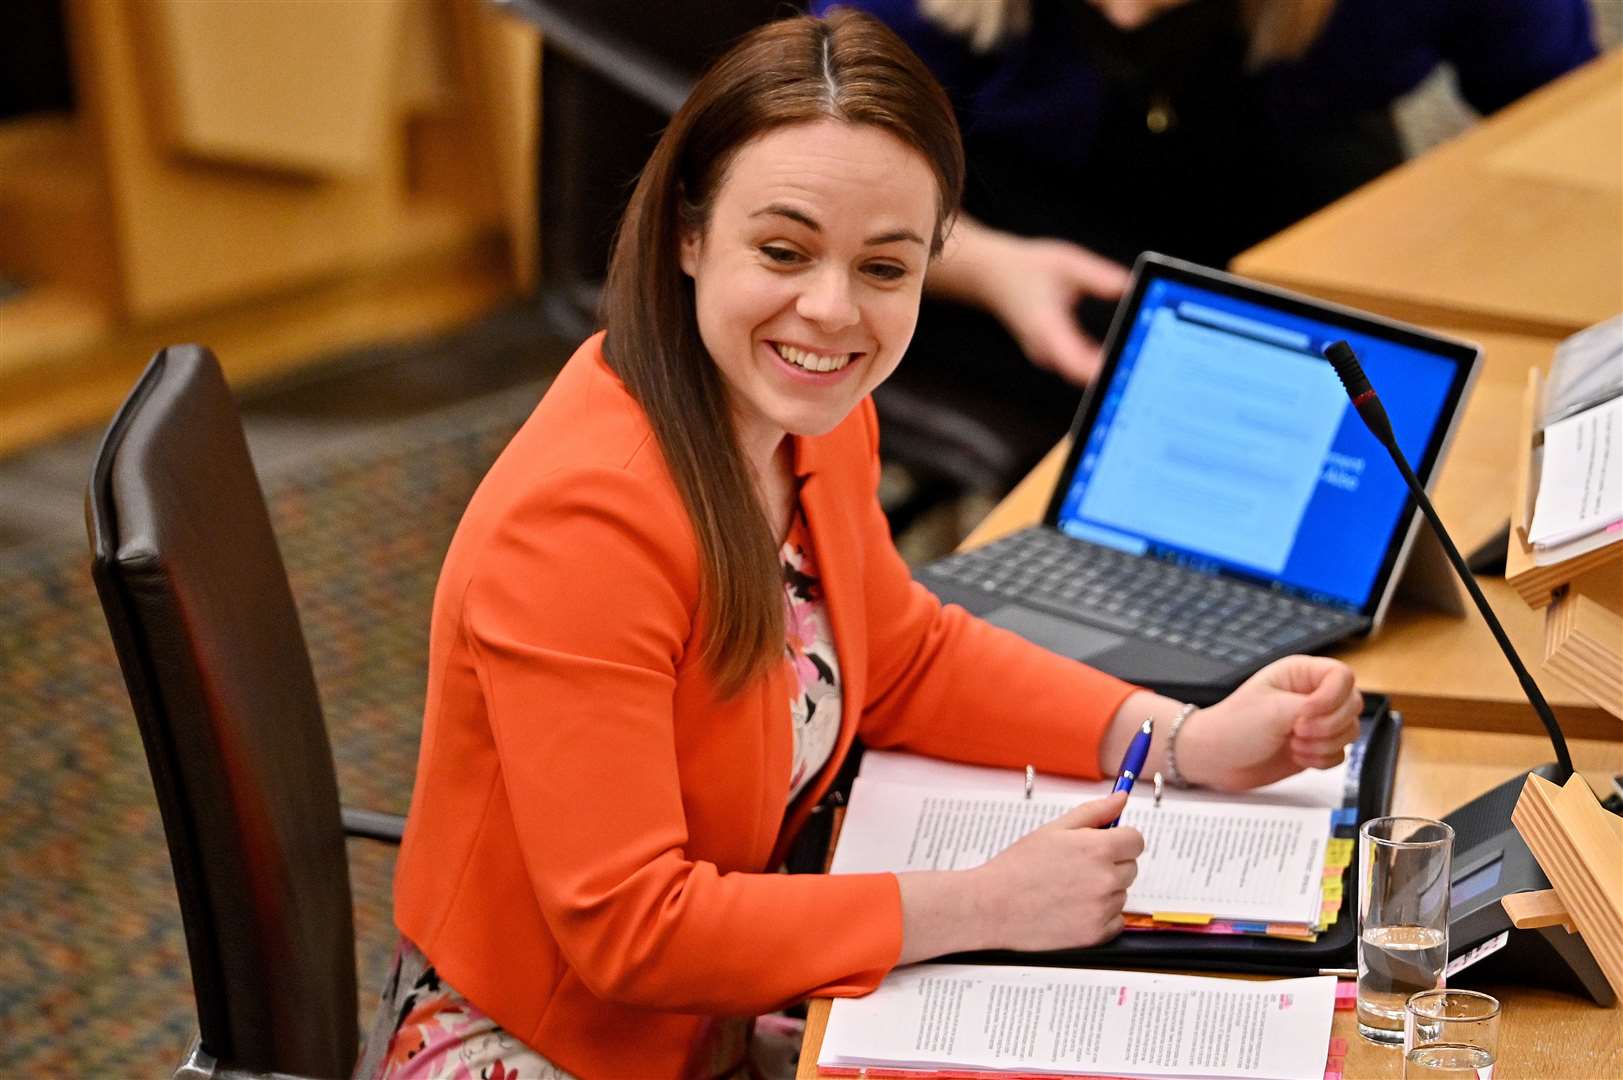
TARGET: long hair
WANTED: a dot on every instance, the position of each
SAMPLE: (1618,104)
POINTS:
(848,67)
(1277,29)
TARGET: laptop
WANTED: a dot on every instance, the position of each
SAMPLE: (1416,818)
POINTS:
(1222,504)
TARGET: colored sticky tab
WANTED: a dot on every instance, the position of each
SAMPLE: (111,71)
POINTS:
(1339,851)
(1183,918)
(1251,927)
(1292,931)
(1347,815)
(1332,890)
(1338,1044)
(1346,998)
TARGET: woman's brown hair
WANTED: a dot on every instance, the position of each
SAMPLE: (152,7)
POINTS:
(845,66)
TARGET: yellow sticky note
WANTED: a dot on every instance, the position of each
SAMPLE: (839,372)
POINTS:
(1338,852)
(1184,917)
(1332,890)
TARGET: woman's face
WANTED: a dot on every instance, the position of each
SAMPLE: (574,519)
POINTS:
(808,274)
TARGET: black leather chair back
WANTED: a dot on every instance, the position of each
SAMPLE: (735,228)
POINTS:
(197,599)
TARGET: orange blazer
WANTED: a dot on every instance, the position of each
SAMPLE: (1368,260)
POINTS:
(588,851)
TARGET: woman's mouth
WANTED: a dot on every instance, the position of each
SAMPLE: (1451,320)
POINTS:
(814,362)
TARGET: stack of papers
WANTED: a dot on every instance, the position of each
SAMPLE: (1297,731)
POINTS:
(1259,863)
(944,1019)
(1580,491)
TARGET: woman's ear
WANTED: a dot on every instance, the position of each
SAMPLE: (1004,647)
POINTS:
(688,250)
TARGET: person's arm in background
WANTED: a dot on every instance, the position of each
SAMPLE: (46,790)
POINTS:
(1032,285)
(1503,49)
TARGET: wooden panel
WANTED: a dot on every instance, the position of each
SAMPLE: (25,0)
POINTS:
(302,87)
(255,339)
(188,235)
(1579,847)
(1584,645)
(53,209)
(1517,226)
(501,65)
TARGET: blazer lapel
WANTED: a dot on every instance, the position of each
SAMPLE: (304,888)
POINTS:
(831,494)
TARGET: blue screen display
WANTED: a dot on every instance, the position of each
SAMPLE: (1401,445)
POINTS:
(1225,442)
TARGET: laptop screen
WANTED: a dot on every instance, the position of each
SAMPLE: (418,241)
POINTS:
(1220,438)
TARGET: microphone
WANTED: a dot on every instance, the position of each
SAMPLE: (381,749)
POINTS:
(1491,860)
(1368,404)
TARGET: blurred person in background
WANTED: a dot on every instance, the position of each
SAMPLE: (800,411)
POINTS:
(1097,129)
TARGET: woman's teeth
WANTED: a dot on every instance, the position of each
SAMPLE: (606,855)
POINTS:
(812,361)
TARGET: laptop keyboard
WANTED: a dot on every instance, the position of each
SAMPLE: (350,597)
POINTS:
(1160,601)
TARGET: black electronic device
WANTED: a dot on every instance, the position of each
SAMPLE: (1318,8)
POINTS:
(1491,860)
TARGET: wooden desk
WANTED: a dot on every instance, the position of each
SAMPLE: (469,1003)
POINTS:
(1544,1034)
(1515,226)
(1440,670)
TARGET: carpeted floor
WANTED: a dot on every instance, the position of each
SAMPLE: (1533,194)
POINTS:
(93,974)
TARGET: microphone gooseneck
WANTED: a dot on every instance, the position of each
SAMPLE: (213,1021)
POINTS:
(1368,404)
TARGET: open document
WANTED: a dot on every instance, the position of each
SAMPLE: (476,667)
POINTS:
(1228,860)
(1057,1021)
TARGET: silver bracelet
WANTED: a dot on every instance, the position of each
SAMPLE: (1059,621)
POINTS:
(1174,776)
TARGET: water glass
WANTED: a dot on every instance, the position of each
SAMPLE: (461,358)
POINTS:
(1450,1035)
(1405,869)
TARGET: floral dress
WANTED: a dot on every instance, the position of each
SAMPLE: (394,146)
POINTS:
(425,1030)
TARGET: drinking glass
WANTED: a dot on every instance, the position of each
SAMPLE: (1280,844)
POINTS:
(1450,1035)
(1405,866)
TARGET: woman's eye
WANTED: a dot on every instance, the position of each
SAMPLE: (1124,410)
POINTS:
(887,271)
(780,255)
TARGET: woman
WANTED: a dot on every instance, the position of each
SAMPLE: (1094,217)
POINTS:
(673,603)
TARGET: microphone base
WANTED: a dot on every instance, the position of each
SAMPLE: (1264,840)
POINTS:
(1491,861)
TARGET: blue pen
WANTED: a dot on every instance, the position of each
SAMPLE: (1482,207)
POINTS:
(1132,762)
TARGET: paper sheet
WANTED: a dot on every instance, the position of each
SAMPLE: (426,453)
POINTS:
(1232,861)
(1580,489)
(1059,1020)
(1311,787)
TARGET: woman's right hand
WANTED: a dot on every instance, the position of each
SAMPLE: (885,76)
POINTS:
(1063,885)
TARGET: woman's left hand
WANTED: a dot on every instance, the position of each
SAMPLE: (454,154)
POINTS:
(1297,713)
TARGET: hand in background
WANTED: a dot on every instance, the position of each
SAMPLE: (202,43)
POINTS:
(1297,713)
(1035,297)
(1033,287)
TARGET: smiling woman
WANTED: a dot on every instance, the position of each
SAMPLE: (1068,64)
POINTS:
(673,605)
(819,133)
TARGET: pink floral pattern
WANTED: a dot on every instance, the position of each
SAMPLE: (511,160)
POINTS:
(426,1030)
(815,700)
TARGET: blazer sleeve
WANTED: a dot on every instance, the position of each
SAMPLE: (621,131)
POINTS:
(579,616)
(945,683)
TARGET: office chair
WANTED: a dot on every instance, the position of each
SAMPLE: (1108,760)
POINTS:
(613,72)
(197,599)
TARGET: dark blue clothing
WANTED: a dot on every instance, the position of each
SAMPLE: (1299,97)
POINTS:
(1041,92)
(1054,121)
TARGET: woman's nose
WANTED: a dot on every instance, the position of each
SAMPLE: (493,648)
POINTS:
(827,300)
